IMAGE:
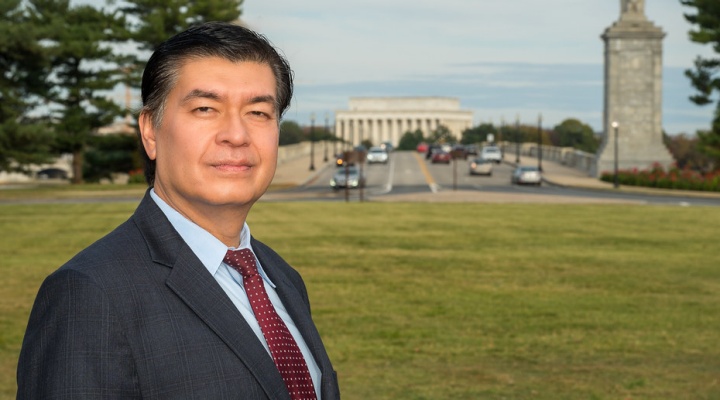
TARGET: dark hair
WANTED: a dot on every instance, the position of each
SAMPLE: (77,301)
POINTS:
(211,39)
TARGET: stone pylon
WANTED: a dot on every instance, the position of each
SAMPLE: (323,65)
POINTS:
(633,92)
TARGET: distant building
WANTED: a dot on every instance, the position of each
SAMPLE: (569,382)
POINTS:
(386,119)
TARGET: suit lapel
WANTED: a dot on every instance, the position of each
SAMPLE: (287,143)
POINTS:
(192,283)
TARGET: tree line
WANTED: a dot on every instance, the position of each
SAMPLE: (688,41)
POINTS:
(60,63)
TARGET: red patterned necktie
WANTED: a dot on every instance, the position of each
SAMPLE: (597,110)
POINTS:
(285,352)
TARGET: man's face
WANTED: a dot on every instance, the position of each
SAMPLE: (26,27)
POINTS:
(217,144)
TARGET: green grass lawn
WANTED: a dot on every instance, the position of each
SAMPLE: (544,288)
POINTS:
(459,301)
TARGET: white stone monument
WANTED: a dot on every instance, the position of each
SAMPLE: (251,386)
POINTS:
(633,92)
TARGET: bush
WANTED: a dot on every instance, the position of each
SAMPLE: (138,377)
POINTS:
(673,178)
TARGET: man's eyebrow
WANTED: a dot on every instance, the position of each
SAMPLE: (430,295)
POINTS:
(202,94)
(264,99)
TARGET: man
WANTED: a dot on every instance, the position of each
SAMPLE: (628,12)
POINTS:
(159,308)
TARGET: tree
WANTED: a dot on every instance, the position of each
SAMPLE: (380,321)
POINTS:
(76,40)
(573,133)
(151,22)
(154,21)
(24,139)
(108,154)
(410,140)
(441,134)
(705,78)
(477,134)
(684,150)
(290,133)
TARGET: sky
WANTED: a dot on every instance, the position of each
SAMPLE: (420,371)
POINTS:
(502,59)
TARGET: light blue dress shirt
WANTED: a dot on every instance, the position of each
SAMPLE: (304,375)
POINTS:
(211,253)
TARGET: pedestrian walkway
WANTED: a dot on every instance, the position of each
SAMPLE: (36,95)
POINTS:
(297,172)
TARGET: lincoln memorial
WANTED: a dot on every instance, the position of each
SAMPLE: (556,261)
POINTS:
(386,119)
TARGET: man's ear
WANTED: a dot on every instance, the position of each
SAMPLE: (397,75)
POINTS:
(147,134)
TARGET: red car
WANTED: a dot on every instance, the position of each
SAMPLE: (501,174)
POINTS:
(441,157)
(422,147)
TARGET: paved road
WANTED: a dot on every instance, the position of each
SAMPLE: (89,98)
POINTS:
(408,176)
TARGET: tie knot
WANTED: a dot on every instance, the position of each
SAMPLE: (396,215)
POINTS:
(243,261)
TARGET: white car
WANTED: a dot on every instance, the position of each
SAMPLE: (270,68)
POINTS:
(377,155)
(491,153)
(526,175)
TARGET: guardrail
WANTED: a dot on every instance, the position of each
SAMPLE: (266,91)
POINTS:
(567,156)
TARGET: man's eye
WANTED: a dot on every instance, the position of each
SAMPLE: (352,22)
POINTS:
(203,109)
(260,114)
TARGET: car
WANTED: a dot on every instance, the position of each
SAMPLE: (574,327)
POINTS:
(480,166)
(441,157)
(432,149)
(377,155)
(387,146)
(471,150)
(348,176)
(491,153)
(526,175)
(52,173)
(459,150)
(422,147)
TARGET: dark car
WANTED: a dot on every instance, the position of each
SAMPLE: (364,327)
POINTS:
(52,173)
(471,150)
(441,157)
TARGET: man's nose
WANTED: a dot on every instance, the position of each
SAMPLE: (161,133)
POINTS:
(233,131)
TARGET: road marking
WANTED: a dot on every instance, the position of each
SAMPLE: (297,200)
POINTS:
(434,187)
(387,188)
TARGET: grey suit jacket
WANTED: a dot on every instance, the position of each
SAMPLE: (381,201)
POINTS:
(136,315)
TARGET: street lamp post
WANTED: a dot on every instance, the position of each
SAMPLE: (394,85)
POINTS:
(312,142)
(540,143)
(616,184)
(500,139)
(517,140)
(334,137)
(325,158)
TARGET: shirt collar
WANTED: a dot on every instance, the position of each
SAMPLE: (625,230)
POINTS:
(206,247)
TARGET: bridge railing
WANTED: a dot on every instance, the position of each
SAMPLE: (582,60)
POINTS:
(567,156)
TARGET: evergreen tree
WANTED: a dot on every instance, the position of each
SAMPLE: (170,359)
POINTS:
(151,22)
(154,21)
(706,75)
(24,140)
(76,40)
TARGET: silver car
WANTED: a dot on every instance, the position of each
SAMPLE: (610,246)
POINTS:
(526,175)
(347,176)
(481,166)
